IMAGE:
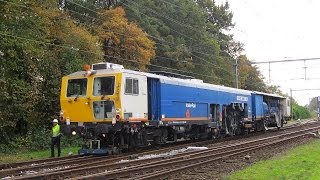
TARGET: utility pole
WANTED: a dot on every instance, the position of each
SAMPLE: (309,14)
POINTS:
(305,70)
(318,107)
(236,73)
(318,100)
(291,101)
(269,73)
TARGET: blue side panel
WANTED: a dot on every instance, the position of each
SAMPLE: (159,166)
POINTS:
(179,109)
(258,106)
(177,100)
(154,97)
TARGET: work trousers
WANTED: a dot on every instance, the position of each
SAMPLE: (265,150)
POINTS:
(55,141)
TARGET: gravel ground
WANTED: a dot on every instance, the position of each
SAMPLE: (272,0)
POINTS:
(222,168)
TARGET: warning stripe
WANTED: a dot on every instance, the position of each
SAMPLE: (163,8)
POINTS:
(137,119)
(186,119)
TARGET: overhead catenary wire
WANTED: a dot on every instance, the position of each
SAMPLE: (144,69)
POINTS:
(85,51)
(174,45)
(168,18)
(162,44)
(147,34)
(177,22)
(174,21)
(118,34)
(285,60)
(76,49)
(168,43)
(72,2)
(161,57)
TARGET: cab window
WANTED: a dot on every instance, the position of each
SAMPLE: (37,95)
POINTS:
(132,86)
(103,86)
(104,109)
(77,87)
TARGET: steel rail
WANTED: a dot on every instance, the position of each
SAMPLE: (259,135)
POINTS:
(172,170)
(187,158)
(38,161)
(65,165)
(86,168)
(46,164)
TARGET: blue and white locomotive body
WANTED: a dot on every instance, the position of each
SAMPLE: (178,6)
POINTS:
(270,110)
(190,104)
(179,100)
(126,109)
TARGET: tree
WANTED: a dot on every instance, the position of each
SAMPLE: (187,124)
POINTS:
(250,77)
(38,45)
(124,42)
(313,105)
(190,35)
(182,26)
(300,112)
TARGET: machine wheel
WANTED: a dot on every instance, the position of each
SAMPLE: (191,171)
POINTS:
(264,125)
(233,126)
(278,121)
(175,137)
(244,131)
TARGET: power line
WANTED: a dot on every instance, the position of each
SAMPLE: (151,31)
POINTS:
(175,20)
(162,40)
(116,33)
(305,89)
(16,4)
(162,57)
(169,18)
(174,45)
(82,6)
(129,60)
(77,49)
(47,43)
(147,34)
(284,60)
(287,60)
(181,35)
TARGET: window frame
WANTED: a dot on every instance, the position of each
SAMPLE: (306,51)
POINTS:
(113,108)
(125,86)
(66,94)
(114,86)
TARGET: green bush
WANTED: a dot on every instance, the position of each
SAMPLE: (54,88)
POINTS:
(37,140)
(300,112)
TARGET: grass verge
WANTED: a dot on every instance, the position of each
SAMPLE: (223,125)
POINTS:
(32,155)
(302,162)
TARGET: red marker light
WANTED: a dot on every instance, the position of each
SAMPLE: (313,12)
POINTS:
(86,67)
(117,116)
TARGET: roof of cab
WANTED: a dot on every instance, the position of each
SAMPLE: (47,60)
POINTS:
(270,95)
(197,83)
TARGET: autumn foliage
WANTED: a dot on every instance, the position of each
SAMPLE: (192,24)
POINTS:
(123,41)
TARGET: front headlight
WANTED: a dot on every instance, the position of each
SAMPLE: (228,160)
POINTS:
(68,121)
(61,113)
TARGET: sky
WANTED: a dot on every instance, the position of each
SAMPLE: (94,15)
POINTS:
(273,30)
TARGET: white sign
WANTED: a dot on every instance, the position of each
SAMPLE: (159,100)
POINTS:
(242,98)
(191,105)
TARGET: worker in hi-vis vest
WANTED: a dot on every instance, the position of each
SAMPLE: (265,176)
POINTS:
(56,135)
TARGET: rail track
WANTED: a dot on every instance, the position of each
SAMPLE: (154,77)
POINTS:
(130,166)
(162,168)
